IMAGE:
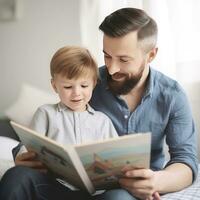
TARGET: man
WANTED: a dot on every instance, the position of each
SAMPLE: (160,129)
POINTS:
(140,99)
(137,99)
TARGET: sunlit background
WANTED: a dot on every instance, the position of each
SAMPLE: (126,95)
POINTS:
(32,30)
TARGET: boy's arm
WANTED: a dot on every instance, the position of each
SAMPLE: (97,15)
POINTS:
(109,129)
(27,157)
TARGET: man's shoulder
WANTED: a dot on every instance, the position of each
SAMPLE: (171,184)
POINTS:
(164,82)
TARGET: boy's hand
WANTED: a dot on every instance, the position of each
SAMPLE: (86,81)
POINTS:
(29,159)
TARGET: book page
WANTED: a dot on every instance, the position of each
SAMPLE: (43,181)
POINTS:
(103,161)
(61,160)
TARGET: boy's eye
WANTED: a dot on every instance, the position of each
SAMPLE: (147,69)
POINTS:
(67,87)
(107,57)
(84,86)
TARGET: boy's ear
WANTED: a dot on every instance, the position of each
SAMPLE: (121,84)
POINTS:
(95,83)
(53,85)
(152,54)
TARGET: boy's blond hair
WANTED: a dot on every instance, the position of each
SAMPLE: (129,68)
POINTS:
(73,62)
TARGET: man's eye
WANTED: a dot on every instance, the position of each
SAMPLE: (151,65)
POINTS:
(67,87)
(124,61)
(84,86)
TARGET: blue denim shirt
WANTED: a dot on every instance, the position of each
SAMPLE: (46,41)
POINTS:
(164,111)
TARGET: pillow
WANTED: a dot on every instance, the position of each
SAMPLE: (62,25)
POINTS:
(29,99)
(6,158)
(7,144)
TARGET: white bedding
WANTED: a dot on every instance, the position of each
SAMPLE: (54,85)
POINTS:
(6,158)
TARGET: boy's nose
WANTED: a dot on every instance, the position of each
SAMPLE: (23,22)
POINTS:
(76,91)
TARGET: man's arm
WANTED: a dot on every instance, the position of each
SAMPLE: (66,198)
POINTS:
(181,137)
(144,183)
(181,170)
(174,178)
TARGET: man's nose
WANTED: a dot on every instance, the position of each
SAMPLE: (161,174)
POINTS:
(113,68)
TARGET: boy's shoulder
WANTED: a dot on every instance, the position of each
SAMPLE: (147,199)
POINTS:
(48,107)
(98,114)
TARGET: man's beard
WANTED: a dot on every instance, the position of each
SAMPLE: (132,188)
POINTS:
(125,86)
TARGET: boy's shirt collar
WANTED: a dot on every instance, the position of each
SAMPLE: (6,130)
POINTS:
(61,107)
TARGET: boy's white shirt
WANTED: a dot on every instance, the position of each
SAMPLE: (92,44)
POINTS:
(66,127)
(61,124)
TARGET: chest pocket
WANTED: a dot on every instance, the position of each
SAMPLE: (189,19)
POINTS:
(157,130)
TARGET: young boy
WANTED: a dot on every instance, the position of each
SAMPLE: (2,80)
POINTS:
(71,121)
(74,75)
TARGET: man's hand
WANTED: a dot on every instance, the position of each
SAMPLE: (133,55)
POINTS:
(141,183)
(29,159)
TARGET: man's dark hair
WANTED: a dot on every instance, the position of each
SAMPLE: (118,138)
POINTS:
(126,20)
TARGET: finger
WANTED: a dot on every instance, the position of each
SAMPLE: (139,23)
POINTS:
(32,164)
(128,168)
(155,196)
(139,173)
(26,156)
(133,183)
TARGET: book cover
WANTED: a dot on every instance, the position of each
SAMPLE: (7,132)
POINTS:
(91,166)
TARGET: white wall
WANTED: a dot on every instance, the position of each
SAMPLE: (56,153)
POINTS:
(27,44)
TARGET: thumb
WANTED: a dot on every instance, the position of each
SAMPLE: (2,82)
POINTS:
(156,196)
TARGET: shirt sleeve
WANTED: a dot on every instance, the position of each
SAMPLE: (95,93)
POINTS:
(109,129)
(181,134)
(39,122)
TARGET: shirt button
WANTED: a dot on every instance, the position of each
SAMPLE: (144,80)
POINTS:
(125,116)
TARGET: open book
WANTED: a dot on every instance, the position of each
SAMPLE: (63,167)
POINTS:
(92,166)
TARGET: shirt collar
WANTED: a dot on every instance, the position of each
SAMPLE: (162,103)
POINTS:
(61,107)
(150,83)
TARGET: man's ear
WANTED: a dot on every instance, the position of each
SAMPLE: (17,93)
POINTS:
(53,85)
(152,54)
